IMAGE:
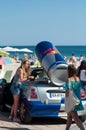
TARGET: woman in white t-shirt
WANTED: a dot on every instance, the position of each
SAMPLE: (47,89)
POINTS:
(83,76)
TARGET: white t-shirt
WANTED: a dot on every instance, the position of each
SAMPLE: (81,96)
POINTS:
(82,75)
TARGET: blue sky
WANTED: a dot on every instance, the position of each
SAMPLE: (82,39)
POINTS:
(27,22)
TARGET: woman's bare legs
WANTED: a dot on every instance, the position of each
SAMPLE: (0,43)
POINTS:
(77,120)
(69,121)
(12,111)
(16,104)
(14,108)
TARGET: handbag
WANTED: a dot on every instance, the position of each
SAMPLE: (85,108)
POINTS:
(71,101)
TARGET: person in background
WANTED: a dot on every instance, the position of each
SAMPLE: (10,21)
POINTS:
(19,82)
(31,59)
(25,57)
(74,84)
(81,58)
(83,75)
(73,58)
(80,67)
(16,57)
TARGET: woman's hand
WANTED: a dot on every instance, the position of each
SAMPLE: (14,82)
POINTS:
(30,77)
(67,93)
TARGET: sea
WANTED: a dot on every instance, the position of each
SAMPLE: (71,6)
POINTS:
(66,51)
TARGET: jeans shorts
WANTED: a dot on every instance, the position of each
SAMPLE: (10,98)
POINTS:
(18,87)
(15,88)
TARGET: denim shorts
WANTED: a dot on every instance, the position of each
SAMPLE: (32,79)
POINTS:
(18,87)
(83,83)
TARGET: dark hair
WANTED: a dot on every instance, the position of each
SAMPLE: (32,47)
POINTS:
(81,67)
(71,71)
(73,54)
(83,62)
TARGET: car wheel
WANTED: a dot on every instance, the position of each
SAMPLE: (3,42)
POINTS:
(24,115)
(82,118)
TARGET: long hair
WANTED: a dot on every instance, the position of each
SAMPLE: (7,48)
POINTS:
(71,71)
(26,71)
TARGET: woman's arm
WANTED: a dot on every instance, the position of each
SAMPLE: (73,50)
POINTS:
(68,87)
(67,93)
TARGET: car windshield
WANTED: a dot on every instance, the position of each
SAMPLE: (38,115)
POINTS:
(40,75)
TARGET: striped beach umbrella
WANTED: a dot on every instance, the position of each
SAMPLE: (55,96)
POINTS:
(6,60)
(3,53)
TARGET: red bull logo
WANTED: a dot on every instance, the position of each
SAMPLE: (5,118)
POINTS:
(50,51)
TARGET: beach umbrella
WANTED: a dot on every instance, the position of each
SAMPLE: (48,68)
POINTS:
(3,53)
(26,50)
(5,60)
(10,49)
(2,61)
(12,60)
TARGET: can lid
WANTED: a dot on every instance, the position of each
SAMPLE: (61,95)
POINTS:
(59,75)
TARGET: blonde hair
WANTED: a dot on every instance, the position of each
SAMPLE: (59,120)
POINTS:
(26,71)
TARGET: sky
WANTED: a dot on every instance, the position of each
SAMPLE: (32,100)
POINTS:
(27,22)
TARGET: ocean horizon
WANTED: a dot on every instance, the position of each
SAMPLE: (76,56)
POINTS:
(65,50)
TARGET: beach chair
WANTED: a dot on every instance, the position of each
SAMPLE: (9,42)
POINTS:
(8,75)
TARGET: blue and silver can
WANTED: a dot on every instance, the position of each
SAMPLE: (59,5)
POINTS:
(52,61)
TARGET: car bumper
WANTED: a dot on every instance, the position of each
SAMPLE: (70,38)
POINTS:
(39,109)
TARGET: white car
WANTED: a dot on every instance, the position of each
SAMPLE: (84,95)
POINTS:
(41,98)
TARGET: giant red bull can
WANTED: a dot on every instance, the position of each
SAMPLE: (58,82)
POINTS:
(52,61)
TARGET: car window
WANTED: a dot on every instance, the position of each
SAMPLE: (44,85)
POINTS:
(40,75)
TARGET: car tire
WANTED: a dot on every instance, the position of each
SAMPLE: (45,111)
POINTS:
(82,118)
(24,115)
